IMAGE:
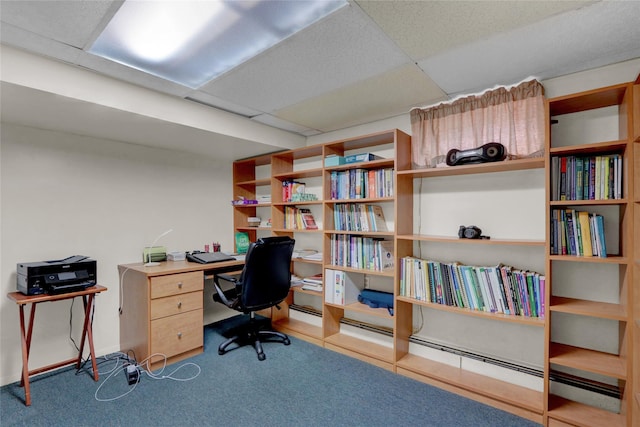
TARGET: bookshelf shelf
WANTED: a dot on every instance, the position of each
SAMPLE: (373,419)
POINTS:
(373,164)
(533,321)
(600,202)
(593,259)
(361,271)
(300,329)
(364,233)
(255,182)
(367,200)
(295,230)
(307,261)
(253,228)
(255,205)
(504,166)
(586,149)
(588,308)
(368,349)
(363,308)
(307,173)
(451,239)
(576,413)
(588,360)
(310,202)
(481,386)
(305,291)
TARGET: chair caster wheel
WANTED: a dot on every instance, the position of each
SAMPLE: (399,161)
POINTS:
(221,352)
(261,356)
(286,342)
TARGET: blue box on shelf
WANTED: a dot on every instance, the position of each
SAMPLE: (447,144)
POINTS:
(334,160)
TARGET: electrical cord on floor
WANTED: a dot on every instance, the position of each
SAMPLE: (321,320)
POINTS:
(158,374)
(121,290)
(124,363)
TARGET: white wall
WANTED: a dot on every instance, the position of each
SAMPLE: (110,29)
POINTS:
(64,194)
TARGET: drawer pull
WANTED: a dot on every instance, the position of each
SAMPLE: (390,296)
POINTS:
(180,285)
(180,304)
(179,335)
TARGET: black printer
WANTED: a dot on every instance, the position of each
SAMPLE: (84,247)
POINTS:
(71,274)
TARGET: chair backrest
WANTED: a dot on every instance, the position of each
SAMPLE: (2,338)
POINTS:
(266,277)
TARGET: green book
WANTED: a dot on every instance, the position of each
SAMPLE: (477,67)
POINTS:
(242,242)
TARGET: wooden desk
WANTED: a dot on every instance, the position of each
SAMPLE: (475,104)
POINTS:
(26,334)
(162,309)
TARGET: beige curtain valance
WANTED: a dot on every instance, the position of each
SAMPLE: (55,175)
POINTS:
(513,117)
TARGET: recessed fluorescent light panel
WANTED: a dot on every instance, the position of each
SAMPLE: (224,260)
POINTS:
(192,42)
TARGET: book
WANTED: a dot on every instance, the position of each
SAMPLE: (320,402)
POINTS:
(312,287)
(386,255)
(308,221)
(315,279)
(379,223)
(329,285)
(242,242)
(585,231)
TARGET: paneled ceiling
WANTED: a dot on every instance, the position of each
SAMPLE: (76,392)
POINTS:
(368,61)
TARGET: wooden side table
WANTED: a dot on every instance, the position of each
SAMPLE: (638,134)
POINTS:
(88,296)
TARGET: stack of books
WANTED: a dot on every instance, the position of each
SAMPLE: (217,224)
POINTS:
(313,283)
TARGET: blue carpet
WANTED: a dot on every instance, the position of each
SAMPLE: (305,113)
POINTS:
(297,385)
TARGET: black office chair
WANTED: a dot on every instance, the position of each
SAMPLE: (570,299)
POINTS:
(264,283)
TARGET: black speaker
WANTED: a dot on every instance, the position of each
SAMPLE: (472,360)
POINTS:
(490,152)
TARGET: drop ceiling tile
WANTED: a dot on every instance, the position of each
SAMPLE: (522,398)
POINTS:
(32,42)
(562,44)
(335,52)
(376,98)
(424,28)
(71,22)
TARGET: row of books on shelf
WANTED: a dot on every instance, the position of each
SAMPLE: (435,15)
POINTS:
(361,183)
(364,253)
(358,217)
(586,177)
(340,288)
(499,289)
(295,191)
(299,219)
(578,233)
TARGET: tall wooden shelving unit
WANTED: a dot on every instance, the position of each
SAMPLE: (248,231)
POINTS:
(519,400)
(333,338)
(287,166)
(581,359)
(546,407)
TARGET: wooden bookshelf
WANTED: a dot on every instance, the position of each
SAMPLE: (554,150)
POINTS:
(547,406)
(577,112)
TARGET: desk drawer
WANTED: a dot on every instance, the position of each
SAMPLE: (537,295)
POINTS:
(173,284)
(176,304)
(176,334)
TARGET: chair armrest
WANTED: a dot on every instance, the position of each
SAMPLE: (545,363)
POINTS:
(224,297)
(227,277)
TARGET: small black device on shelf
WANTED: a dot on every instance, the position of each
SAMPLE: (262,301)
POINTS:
(470,232)
(490,152)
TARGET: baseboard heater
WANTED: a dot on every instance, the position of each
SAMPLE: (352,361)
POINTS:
(556,376)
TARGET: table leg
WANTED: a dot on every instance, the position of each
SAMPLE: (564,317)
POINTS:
(26,340)
(87,333)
